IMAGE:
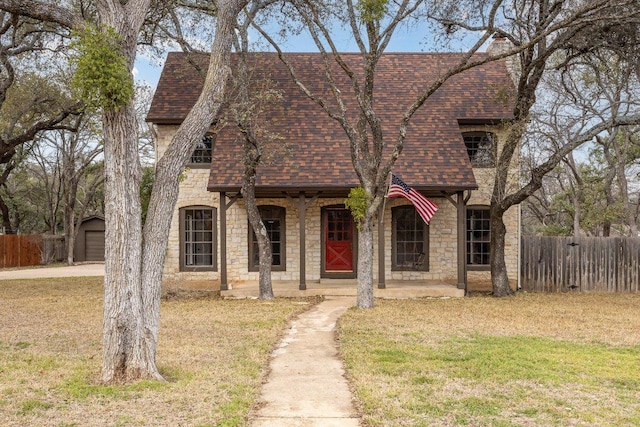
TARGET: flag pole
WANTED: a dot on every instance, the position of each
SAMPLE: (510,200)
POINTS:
(384,200)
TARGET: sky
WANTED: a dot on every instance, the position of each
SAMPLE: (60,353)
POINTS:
(405,39)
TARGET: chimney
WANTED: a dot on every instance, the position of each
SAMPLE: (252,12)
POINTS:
(499,45)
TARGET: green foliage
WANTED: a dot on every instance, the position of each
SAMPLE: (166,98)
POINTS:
(593,202)
(358,202)
(146,186)
(555,229)
(372,10)
(595,209)
(31,405)
(102,78)
(31,98)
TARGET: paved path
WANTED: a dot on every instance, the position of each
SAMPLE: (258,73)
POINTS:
(306,386)
(45,272)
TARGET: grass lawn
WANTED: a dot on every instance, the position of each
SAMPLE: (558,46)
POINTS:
(530,360)
(212,352)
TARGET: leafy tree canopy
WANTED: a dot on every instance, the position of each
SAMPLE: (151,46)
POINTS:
(30,99)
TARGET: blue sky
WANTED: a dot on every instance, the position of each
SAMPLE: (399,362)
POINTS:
(405,39)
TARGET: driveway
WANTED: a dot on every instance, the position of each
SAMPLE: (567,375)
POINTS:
(44,272)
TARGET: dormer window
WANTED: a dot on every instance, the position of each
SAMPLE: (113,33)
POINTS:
(481,148)
(203,151)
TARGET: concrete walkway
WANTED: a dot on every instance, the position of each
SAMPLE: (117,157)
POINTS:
(80,270)
(306,386)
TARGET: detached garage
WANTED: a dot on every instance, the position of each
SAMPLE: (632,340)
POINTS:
(90,240)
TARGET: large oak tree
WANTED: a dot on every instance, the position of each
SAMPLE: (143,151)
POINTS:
(550,34)
(538,30)
(134,260)
(32,99)
(372,24)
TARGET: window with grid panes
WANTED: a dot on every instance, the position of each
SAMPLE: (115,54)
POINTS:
(481,149)
(202,153)
(273,218)
(478,236)
(197,238)
(410,238)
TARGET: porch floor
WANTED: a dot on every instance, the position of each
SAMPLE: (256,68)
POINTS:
(347,287)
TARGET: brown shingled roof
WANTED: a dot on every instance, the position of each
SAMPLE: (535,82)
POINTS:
(434,156)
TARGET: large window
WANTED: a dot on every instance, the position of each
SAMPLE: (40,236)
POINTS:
(409,240)
(201,155)
(198,238)
(273,218)
(481,148)
(478,237)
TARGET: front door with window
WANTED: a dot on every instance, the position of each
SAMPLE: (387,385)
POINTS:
(338,240)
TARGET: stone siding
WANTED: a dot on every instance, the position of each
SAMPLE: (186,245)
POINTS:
(442,234)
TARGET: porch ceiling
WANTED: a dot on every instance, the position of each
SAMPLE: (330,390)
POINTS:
(329,192)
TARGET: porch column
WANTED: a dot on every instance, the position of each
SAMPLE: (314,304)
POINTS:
(302,213)
(381,251)
(224,286)
(461,206)
(303,204)
(223,242)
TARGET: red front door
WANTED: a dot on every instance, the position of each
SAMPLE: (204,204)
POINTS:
(338,240)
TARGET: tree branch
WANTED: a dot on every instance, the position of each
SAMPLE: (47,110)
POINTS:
(43,11)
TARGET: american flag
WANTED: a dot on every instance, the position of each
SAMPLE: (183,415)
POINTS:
(424,206)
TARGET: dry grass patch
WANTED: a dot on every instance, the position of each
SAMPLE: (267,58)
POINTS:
(530,360)
(213,352)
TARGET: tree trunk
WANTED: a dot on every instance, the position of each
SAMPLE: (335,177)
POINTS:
(6,219)
(622,153)
(69,235)
(365,263)
(124,342)
(608,185)
(264,244)
(70,191)
(577,228)
(499,275)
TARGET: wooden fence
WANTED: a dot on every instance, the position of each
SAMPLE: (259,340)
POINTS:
(20,251)
(592,264)
(28,250)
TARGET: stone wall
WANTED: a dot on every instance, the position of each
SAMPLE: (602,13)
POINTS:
(442,234)
(481,280)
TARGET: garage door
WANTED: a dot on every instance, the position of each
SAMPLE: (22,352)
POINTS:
(94,245)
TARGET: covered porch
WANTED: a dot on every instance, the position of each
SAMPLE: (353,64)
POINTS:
(347,287)
(320,274)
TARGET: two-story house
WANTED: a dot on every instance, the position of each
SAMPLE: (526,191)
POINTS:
(449,156)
